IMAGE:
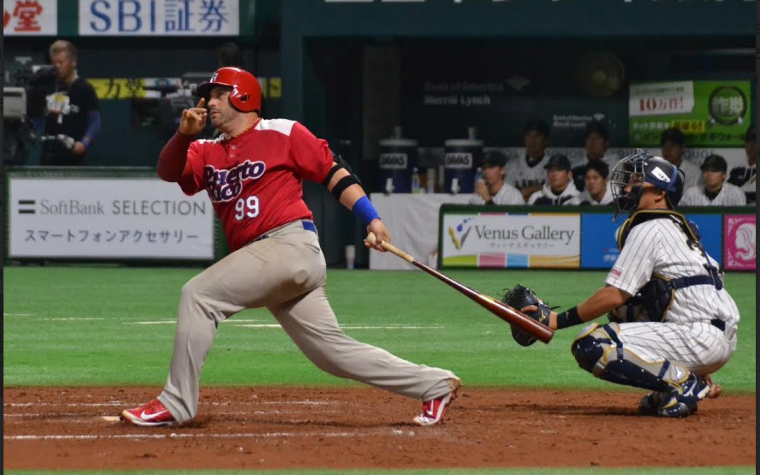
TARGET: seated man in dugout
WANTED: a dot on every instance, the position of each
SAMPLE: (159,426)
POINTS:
(527,173)
(715,191)
(492,189)
(559,188)
(597,144)
(597,185)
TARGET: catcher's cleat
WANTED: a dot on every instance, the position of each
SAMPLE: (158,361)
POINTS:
(434,410)
(682,401)
(152,414)
(651,402)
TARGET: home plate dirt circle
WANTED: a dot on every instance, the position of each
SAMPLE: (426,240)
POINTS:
(343,428)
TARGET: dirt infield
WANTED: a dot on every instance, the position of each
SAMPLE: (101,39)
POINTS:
(268,428)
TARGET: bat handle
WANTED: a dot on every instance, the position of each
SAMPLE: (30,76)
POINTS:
(391,248)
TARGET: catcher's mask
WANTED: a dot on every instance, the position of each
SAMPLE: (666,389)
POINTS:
(630,174)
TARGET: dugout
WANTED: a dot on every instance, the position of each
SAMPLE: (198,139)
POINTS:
(355,69)
(352,70)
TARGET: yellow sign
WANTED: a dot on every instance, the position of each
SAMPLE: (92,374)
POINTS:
(130,88)
(690,126)
(271,87)
(119,88)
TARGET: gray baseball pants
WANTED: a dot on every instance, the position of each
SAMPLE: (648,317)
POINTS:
(286,273)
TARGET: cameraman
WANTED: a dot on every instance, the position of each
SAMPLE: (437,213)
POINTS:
(72,113)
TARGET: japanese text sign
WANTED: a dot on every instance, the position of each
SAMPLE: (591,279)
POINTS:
(135,218)
(30,17)
(159,17)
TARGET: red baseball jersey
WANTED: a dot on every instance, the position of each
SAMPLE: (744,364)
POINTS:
(255,180)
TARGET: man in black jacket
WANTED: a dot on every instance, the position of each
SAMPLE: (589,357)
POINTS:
(72,119)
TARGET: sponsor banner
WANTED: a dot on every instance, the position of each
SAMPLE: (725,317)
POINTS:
(741,250)
(30,18)
(599,238)
(511,240)
(709,113)
(138,218)
(159,18)
(662,98)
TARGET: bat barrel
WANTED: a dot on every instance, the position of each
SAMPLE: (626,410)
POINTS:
(508,314)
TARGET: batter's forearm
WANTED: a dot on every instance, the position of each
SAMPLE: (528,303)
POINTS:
(171,161)
(352,194)
(347,190)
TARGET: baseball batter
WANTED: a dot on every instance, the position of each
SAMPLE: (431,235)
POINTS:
(253,174)
(674,323)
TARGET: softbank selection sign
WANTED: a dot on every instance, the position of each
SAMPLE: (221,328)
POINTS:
(509,240)
(108,218)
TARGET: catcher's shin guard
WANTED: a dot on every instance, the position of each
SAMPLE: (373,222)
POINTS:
(599,351)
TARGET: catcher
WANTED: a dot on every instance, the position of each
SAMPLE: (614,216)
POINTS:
(672,322)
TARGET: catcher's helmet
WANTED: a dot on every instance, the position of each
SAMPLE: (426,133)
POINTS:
(246,90)
(639,168)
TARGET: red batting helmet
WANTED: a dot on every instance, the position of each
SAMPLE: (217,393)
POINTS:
(246,90)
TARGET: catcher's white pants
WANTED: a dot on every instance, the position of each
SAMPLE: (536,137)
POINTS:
(699,347)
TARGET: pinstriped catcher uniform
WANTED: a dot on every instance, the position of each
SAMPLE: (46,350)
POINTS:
(688,335)
(672,322)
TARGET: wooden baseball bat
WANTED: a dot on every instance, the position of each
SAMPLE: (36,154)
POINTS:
(505,312)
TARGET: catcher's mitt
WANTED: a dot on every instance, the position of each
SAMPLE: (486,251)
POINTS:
(520,297)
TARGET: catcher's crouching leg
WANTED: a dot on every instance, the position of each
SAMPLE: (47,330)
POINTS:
(599,351)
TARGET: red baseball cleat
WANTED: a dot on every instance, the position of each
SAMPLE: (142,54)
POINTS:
(152,414)
(434,409)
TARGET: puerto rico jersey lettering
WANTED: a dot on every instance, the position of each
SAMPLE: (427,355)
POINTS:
(255,180)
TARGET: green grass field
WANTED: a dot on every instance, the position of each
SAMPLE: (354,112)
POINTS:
(67,326)
(103,326)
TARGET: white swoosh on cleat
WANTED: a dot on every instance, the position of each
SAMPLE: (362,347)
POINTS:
(148,417)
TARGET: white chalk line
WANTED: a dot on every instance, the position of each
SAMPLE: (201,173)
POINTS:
(159,322)
(65,415)
(19,314)
(243,323)
(73,319)
(89,420)
(245,435)
(306,402)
